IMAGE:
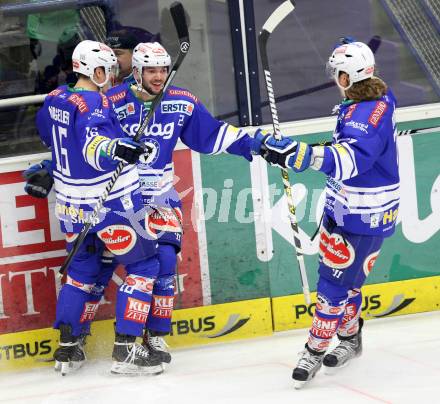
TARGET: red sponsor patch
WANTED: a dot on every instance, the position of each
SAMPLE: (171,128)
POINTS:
(77,284)
(341,49)
(324,327)
(335,252)
(377,113)
(104,47)
(118,239)
(162,306)
(335,310)
(70,237)
(144,285)
(55,92)
(89,311)
(349,313)
(76,64)
(324,344)
(136,310)
(130,281)
(118,96)
(79,101)
(369,262)
(350,111)
(165,219)
(130,107)
(184,93)
(104,100)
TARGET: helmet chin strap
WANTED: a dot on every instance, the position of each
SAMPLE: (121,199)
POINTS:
(339,85)
(100,85)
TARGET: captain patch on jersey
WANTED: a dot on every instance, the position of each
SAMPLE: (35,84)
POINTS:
(182,106)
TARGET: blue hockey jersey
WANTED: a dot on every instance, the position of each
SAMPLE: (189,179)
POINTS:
(74,124)
(180,115)
(362,167)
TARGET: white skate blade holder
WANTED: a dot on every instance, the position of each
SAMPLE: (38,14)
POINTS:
(123,368)
(67,367)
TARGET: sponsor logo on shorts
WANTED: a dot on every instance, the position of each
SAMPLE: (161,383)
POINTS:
(119,239)
(136,310)
(162,306)
(369,262)
(335,251)
(89,311)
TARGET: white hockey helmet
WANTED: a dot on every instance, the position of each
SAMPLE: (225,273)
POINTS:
(355,58)
(88,55)
(148,54)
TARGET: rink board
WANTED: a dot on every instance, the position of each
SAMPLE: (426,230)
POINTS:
(381,300)
(195,326)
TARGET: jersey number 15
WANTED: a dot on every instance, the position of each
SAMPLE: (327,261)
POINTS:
(62,162)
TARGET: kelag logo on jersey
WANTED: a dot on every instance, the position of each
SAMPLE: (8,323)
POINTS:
(171,107)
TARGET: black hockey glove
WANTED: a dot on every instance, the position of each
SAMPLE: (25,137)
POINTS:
(278,152)
(286,153)
(124,149)
(39,180)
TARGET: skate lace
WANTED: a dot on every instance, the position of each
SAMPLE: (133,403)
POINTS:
(308,361)
(136,350)
(158,343)
(343,348)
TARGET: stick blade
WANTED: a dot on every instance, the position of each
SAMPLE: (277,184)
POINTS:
(374,43)
(281,12)
(178,14)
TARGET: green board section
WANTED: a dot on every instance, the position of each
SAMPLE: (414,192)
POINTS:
(236,272)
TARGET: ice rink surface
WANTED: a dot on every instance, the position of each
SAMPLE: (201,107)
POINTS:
(400,364)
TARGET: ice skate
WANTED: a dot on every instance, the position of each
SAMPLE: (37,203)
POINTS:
(348,348)
(307,366)
(131,358)
(70,355)
(156,345)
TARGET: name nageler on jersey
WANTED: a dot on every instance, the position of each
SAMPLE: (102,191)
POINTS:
(59,115)
(170,107)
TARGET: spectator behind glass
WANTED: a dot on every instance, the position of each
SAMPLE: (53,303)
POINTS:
(122,41)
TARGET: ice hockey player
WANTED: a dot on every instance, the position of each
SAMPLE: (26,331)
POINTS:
(181,115)
(79,125)
(362,199)
(122,41)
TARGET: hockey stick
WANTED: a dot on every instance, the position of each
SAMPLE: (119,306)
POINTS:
(271,23)
(406,132)
(374,44)
(93,17)
(178,15)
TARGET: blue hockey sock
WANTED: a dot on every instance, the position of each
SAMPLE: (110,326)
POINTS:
(159,318)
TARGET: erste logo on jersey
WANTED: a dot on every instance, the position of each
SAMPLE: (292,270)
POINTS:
(171,107)
(125,110)
(118,239)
